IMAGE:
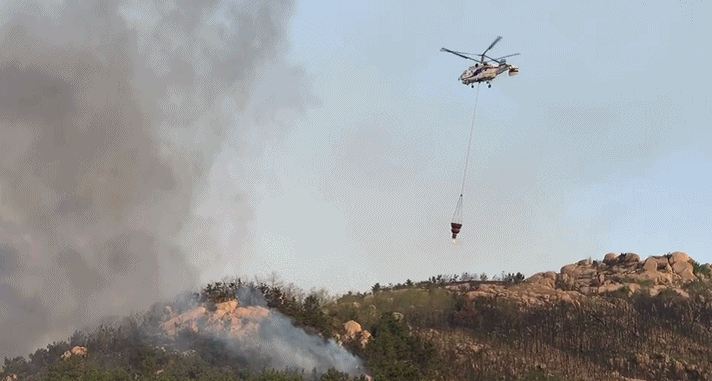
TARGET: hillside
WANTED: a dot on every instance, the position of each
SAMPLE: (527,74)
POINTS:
(620,318)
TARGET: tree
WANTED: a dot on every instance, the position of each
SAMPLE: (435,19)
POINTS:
(394,354)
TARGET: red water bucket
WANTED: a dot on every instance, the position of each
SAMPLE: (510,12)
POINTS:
(455,229)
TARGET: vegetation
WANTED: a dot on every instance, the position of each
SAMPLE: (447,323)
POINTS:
(419,331)
(699,269)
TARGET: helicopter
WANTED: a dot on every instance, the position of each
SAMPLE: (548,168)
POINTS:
(484,71)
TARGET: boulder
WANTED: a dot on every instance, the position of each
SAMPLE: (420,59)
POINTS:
(223,309)
(662,262)
(629,258)
(569,269)
(547,282)
(364,338)
(251,312)
(684,270)
(228,306)
(679,256)
(665,278)
(75,351)
(646,275)
(609,288)
(651,264)
(79,351)
(610,258)
(534,278)
(653,291)
(551,275)
(567,280)
(352,329)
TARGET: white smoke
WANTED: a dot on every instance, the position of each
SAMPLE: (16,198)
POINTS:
(289,347)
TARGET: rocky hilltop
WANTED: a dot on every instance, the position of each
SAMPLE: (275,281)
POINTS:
(620,318)
(616,273)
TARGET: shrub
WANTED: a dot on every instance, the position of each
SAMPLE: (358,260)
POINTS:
(699,269)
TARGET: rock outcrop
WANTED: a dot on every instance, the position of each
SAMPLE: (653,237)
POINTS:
(228,318)
(616,273)
(353,332)
(75,351)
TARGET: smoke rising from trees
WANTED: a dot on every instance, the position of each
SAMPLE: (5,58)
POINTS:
(111,117)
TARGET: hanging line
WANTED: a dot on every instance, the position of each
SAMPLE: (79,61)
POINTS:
(469,143)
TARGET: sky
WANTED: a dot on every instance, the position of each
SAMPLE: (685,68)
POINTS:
(599,145)
(147,148)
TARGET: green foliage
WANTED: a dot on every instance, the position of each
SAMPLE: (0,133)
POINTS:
(699,269)
(513,278)
(17,365)
(219,292)
(394,354)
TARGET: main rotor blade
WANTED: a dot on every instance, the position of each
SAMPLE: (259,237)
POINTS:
(457,54)
(469,54)
(511,55)
(496,40)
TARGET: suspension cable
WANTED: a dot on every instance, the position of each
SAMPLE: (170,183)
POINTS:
(469,143)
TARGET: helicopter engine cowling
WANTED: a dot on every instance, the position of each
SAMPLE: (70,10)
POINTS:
(513,70)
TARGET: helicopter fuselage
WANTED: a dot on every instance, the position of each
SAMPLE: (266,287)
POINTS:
(486,73)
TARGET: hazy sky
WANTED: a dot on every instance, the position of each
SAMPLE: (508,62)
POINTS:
(149,147)
(601,143)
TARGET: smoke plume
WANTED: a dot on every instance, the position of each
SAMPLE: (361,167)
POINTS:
(278,342)
(111,117)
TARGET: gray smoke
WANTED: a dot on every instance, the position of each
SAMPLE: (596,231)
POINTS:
(287,347)
(282,345)
(111,116)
